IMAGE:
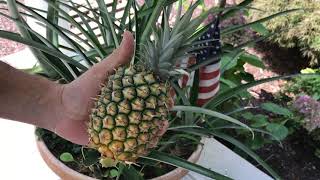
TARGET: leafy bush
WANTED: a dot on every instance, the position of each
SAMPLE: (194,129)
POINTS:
(298,29)
(232,69)
(304,92)
(269,121)
(305,85)
(273,123)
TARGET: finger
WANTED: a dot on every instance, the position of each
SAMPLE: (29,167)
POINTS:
(88,84)
(123,54)
(98,73)
(120,56)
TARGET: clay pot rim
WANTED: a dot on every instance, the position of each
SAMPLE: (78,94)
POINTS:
(56,165)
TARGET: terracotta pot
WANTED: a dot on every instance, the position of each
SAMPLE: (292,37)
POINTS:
(66,173)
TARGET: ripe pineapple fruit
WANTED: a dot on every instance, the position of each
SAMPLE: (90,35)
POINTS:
(132,111)
(131,114)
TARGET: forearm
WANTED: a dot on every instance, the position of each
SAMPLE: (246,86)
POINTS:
(27,98)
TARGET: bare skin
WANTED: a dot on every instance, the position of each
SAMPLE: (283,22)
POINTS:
(63,109)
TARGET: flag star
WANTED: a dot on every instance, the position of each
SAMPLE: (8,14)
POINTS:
(208,43)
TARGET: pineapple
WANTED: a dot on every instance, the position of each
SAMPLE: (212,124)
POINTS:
(132,111)
(130,115)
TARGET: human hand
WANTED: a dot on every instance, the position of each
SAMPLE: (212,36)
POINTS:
(76,98)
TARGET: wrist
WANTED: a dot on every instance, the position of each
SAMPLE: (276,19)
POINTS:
(53,111)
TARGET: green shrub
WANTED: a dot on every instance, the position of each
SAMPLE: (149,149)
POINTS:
(305,85)
(299,29)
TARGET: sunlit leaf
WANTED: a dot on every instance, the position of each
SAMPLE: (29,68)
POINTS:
(66,157)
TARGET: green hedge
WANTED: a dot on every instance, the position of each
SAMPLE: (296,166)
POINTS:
(298,29)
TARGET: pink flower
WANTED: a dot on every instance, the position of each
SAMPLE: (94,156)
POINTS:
(310,108)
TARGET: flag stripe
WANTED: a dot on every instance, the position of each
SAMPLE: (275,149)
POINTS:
(211,67)
(208,89)
(210,82)
(202,99)
(209,94)
(207,76)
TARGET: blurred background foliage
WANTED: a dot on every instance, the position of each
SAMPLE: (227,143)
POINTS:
(298,29)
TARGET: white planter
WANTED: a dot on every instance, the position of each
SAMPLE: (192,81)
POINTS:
(221,159)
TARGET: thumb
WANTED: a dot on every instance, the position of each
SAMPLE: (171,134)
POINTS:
(121,55)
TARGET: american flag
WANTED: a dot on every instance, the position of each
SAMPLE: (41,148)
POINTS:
(209,75)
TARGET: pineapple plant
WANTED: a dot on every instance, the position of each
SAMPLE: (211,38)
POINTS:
(132,111)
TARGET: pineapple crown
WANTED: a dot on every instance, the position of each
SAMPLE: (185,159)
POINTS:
(160,48)
(169,45)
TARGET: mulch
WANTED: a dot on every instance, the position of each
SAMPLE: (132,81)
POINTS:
(296,160)
(6,46)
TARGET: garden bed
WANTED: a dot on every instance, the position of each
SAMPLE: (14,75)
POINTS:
(296,160)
